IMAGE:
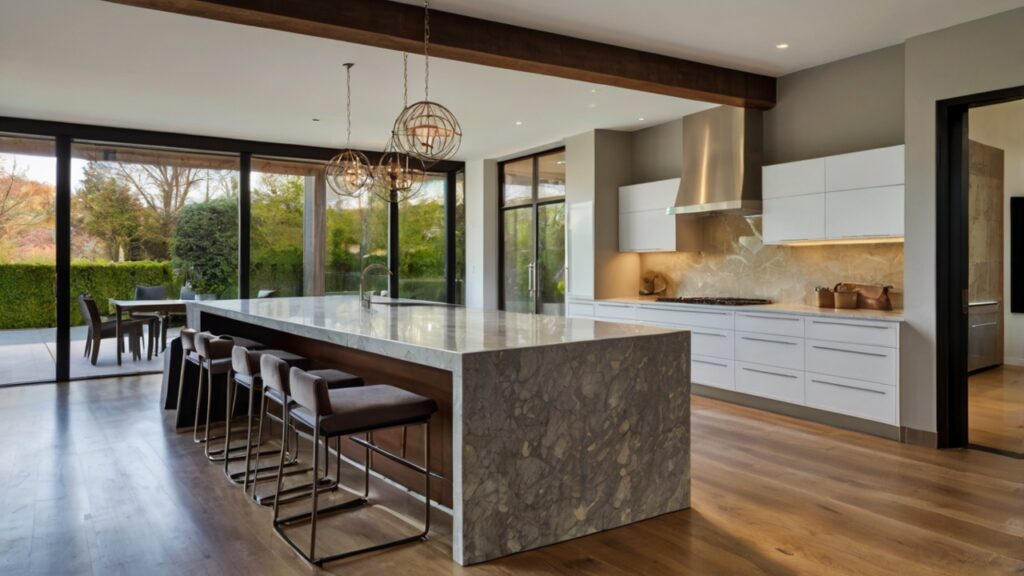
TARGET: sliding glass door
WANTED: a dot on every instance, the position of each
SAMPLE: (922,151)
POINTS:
(533,234)
(28,321)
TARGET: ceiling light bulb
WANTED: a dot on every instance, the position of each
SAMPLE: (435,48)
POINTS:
(641,119)
(519,123)
(782,46)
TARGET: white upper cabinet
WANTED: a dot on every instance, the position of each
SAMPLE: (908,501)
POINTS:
(646,226)
(848,196)
(793,179)
(867,169)
(793,219)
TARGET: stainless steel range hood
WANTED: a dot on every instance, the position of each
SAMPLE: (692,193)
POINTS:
(721,162)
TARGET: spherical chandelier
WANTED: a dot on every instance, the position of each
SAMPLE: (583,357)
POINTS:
(425,129)
(349,173)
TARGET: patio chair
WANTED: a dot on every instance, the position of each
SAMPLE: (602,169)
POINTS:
(156,321)
(100,329)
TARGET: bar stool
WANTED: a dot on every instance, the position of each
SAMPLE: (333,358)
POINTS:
(275,379)
(213,355)
(245,368)
(345,412)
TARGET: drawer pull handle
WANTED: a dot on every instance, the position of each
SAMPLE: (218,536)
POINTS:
(768,341)
(711,334)
(849,324)
(985,324)
(771,317)
(848,386)
(711,363)
(851,351)
(769,373)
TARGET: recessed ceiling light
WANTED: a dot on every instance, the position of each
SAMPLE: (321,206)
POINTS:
(560,162)
(519,123)
(316,119)
(782,46)
(641,119)
(593,90)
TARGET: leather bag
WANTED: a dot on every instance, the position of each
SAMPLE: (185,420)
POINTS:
(868,296)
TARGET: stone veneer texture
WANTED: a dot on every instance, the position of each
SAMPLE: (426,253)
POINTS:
(563,441)
(736,263)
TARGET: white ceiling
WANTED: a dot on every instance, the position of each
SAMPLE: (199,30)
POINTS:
(737,33)
(100,63)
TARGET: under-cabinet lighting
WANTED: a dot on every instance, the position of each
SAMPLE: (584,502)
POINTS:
(884,240)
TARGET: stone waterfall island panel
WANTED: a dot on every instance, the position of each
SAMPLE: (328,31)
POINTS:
(562,441)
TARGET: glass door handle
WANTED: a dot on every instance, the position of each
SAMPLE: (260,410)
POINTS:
(531,278)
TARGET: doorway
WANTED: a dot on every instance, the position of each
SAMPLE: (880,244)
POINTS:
(980,272)
(532,225)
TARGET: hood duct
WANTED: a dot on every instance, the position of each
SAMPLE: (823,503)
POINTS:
(721,162)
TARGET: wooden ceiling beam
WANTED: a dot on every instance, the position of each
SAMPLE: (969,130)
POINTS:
(397,26)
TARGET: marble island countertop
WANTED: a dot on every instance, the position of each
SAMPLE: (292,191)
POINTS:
(799,309)
(423,332)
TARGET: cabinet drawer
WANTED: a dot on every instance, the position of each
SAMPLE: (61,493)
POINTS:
(854,331)
(770,382)
(716,372)
(770,350)
(610,311)
(770,324)
(871,363)
(710,342)
(851,397)
(580,309)
(685,317)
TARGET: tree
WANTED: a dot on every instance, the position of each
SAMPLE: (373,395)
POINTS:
(205,245)
(163,189)
(26,214)
(106,209)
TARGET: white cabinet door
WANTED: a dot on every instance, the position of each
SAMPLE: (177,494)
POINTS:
(793,179)
(867,169)
(716,372)
(794,218)
(871,212)
(648,196)
(647,231)
(580,248)
(770,382)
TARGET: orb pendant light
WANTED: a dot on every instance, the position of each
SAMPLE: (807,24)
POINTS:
(425,129)
(399,175)
(349,173)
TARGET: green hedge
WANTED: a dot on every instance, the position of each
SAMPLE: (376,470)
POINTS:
(27,290)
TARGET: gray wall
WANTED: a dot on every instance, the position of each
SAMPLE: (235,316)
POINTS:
(658,152)
(843,106)
(986,54)
(616,275)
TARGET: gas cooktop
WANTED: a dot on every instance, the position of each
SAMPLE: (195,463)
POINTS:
(717,301)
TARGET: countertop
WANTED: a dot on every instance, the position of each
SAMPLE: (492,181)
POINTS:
(421,332)
(799,309)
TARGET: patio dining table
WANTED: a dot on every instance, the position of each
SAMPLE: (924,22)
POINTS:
(129,306)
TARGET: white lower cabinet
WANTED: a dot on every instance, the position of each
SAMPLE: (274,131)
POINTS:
(770,382)
(851,397)
(713,371)
(838,364)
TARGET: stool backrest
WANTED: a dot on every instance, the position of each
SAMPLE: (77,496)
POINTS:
(274,373)
(310,392)
(188,339)
(244,362)
(213,347)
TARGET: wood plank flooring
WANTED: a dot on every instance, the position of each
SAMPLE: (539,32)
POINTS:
(996,408)
(93,480)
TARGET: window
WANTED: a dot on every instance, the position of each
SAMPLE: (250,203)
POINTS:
(279,191)
(422,240)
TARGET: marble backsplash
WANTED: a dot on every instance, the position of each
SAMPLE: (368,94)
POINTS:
(736,263)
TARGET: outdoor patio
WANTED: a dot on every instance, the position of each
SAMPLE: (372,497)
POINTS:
(28,356)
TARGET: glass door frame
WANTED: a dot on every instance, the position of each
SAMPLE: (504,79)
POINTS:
(534,205)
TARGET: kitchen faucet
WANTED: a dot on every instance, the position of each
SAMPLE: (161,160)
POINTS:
(365,296)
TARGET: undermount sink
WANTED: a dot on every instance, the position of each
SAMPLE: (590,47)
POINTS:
(402,304)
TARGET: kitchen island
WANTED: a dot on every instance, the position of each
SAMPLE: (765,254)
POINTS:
(550,428)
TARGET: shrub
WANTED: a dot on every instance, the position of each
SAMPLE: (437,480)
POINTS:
(27,290)
(205,245)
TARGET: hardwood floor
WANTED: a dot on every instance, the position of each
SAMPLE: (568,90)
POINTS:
(94,481)
(996,416)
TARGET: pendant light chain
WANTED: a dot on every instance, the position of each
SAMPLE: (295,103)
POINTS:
(348,105)
(426,50)
(405,80)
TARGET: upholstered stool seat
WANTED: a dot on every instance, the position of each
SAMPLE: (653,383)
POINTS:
(355,410)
